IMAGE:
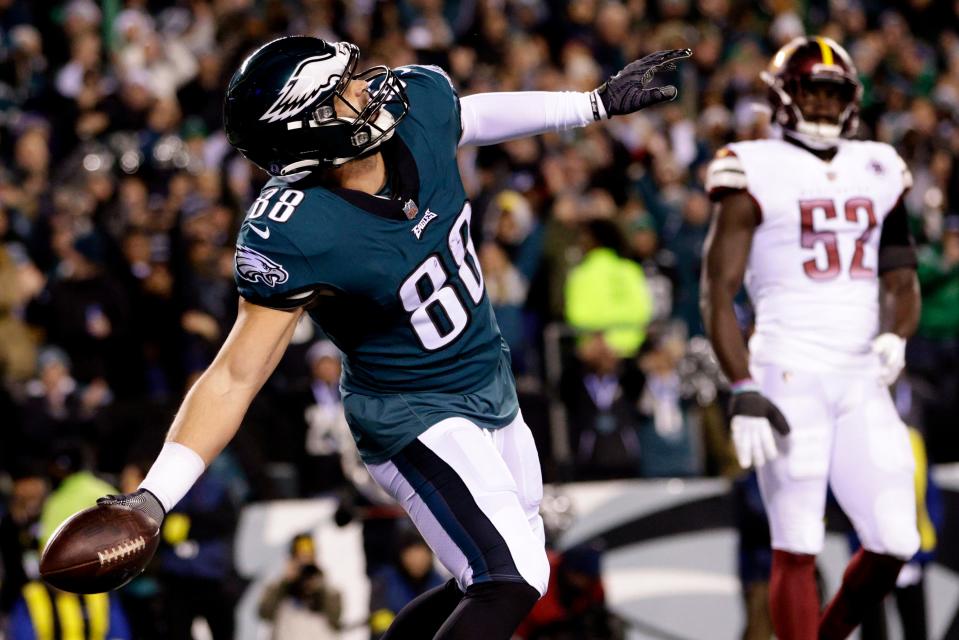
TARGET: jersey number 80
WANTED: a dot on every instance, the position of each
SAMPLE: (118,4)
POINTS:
(438,314)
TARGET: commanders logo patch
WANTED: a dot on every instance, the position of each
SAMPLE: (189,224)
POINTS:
(255,267)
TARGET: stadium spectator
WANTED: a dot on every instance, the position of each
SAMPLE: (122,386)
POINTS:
(574,606)
(19,282)
(606,294)
(85,309)
(302,605)
(600,392)
(933,354)
(56,407)
(196,558)
(507,289)
(393,586)
(75,487)
(42,609)
(669,419)
(510,257)
(20,533)
(684,240)
(327,439)
(658,264)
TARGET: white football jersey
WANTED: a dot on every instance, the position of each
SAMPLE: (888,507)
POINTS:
(812,271)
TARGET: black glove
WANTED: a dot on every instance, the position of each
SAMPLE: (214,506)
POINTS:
(626,91)
(141,500)
(756,405)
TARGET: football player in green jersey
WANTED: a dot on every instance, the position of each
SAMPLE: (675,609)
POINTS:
(365,225)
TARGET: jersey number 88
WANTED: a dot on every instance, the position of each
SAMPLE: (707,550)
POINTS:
(437,312)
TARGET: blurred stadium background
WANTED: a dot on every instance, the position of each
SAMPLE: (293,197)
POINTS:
(119,203)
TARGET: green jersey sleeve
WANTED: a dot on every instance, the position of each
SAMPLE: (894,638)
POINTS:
(272,271)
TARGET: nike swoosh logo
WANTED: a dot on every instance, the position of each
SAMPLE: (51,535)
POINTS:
(263,233)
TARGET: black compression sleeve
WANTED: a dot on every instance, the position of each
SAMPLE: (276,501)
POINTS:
(896,247)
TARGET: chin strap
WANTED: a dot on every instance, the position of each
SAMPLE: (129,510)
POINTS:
(820,136)
(384,124)
(817,142)
(296,170)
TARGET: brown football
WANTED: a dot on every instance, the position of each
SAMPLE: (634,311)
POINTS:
(99,549)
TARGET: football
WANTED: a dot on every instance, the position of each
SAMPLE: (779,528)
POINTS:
(99,549)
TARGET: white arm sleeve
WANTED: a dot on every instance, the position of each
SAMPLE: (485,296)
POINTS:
(489,118)
(174,471)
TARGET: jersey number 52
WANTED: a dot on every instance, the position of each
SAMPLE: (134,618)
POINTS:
(809,237)
(437,311)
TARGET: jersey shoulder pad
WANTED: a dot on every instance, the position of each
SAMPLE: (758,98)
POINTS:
(882,158)
(725,173)
(270,267)
(434,102)
(428,73)
(902,168)
(433,71)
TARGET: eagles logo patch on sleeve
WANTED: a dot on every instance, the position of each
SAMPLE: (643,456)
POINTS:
(255,267)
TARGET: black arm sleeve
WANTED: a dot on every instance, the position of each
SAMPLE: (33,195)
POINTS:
(896,247)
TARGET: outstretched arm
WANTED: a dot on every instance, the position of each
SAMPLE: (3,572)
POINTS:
(213,408)
(490,118)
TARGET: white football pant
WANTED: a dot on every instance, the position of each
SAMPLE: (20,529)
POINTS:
(474,495)
(845,431)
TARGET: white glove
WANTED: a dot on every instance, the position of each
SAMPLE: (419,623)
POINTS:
(754,419)
(891,350)
(753,439)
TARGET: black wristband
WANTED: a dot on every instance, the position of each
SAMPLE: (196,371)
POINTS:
(592,103)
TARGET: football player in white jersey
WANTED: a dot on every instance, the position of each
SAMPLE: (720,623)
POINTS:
(815,226)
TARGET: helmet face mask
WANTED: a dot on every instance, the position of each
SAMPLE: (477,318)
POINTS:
(807,79)
(373,123)
(288,107)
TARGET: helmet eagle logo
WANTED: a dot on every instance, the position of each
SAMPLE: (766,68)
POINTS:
(309,79)
(254,266)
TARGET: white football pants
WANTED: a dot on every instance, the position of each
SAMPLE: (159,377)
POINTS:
(845,431)
(474,495)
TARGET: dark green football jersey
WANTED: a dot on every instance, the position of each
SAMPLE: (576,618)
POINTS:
(392,279)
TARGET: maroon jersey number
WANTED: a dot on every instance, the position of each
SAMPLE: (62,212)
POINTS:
(809,237)
(857,269)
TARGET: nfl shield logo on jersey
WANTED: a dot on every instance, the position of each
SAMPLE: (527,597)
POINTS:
(410,209)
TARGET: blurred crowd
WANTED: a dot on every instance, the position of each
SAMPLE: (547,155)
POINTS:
(120,200)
